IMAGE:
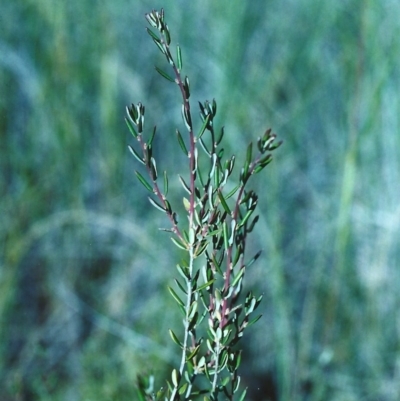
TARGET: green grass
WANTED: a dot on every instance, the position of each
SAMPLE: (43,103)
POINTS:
(83,268)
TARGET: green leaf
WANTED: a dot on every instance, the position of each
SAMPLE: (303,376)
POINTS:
(179,57)
(175,338)
(186,118)
(201,249)
(186,87)
(182,388)
(165,183)
(179,244)
(263,163)
(238,254)
(214,107)
(152,34)
(193,353)
(167,35)
(191,236)
(159,45)
(216,264)
(249,153)
(245,170)
(193,322)
(156,205)
(133,151)
(192,310)
(223,202)
(186,204)
(181,287)
(231,193)
(143,181)
(184,185)
(182,143)
(221,135)
(153,169)
(150,143)
(253,321)
(205,285)
(252,224)
(183,271)
(203,127)
(245,218)
(238,277)
(229,164)
(202,110)
(164,74)
(175,378)
(256,256)
(168,207)
(176,297)
(243,396)
(203,145)
(131,127)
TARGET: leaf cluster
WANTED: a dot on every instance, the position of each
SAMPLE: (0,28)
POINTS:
(220,215)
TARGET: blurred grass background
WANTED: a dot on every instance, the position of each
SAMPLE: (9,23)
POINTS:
(84,270)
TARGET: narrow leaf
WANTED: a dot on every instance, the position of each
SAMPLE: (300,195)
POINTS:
(253,321)
(152,34)
(193,353)
(179,244)
(165,183)
(203,145)
(238,277)
(175,338)
(205,285)
(133,151)
(223,202)
(231,193)
(183,271)
(201,249)
(245,218)
(175,378)
(249,153)
(167,35)
(221,135)
(179,57)
(256,256)
(152,136)
(203,127)
(187,88)
(252,224)
(214,107)
(153,169)
(176,297)
(186,118)
(164,74)
(182,143)
(143,181)
(131,127)
(159,45)
(156,205)
(181,287)
(182,389)
(243,396)
(184,185)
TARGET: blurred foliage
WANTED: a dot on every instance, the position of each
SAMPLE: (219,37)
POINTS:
(83,268)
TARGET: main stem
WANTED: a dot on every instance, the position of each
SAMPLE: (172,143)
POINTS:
(192,166)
